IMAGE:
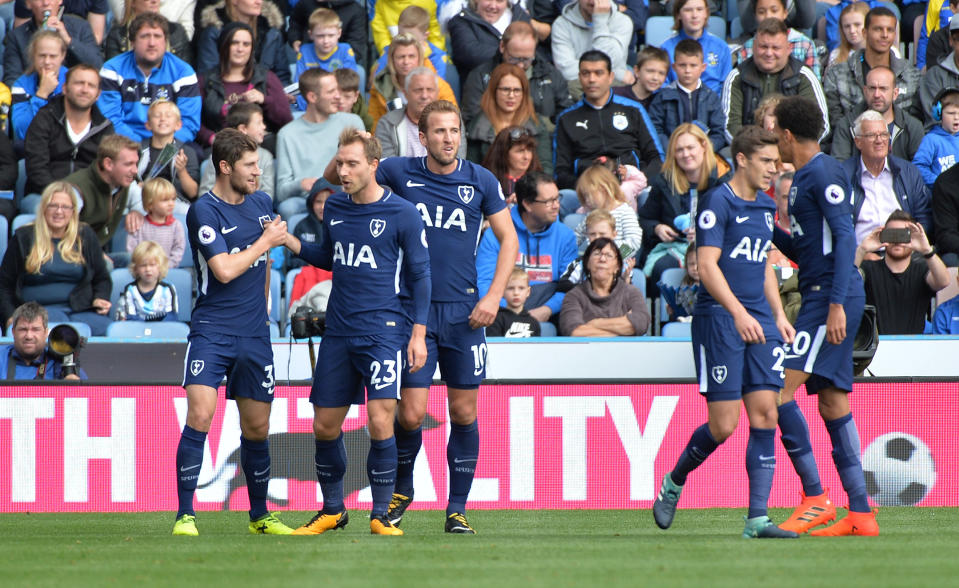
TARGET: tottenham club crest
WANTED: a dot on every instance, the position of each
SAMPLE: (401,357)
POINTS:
(264,220)
(377,226)
(792,195)
(465,193)
(719,373)
(196,366)
(620,122)
(206,234)
(769,220)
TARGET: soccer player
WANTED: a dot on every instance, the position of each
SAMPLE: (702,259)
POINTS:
(823,244)
(452,195)
(231,229)
(738,329)
(373,239)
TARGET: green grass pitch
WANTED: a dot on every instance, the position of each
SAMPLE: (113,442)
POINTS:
(918,547)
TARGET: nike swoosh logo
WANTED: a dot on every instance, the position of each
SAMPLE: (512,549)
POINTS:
(186,469)
(458,460)
(741,219)
(767,457)
(376,473)
(412,184)
(336,222)
(227,231)
(266,471)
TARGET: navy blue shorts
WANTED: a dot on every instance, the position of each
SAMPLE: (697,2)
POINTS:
(828,365)
(246,362)
(727,366)
(347,365)
(459,349)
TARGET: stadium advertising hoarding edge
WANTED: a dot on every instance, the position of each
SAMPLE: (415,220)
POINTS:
(103,449)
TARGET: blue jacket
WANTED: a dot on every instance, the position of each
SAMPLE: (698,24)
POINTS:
(543,255)
(911,191)
(946,319)
(937,153)
(26,103)
(719,61)
(125,94)
(671,106)
(28,371)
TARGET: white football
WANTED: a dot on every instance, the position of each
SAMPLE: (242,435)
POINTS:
(899,469)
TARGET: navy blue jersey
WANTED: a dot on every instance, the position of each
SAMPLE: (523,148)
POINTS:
(238,307)
(823,241)
(743,229)
(369,248)
(452,207)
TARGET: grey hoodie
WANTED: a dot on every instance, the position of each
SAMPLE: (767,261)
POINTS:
(572,36)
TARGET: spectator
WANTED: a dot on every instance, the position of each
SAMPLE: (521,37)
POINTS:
(118,39)
(102,189)
(880,92)
(42,79)
(599,223)
(801,14)
(652,66)
(882,183)
(397,130)
(66,133)
(945,321)
(771,67)
(160,226)
(941,75)
(148,297)
(933,43)
(507,103)
(57,262)
(601,123)
(843,83)
(604,304)
(690,18)
(416,21)
(351,98)
(246,117)
(833,15)
(183,169)
(264,19)
(546,247)
(681,301)
(356,25)
(475,32)
(386,93)
(131,81)
(852,28)
(902,284)
(591,26)
(691,169)
(598,189)
(8,177)
(325,50)
(513,320)
(940,147)
(239,78)
(82,46)
(510,157)
(687,99)
(27,358)
(945,215)
(547,85)
(311,229)
(297,169)
(801,46)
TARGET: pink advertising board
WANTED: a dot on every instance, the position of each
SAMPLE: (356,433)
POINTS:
(112,448)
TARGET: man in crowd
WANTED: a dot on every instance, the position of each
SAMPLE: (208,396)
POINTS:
(103,187)
(398,130)
(28,357)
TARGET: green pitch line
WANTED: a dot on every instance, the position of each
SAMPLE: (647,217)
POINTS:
(917,547)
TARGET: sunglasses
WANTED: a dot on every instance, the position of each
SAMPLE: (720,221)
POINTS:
(518,134)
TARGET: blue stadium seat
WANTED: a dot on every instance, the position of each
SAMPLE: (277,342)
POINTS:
(547,330)
(294,220)
(274,331)
(677,329)
(148,330)
(276,305)
(20,220)
(82,328)
(658,29)
(288,284)
(187,260)
(4,231)
(717,26)
(639,280)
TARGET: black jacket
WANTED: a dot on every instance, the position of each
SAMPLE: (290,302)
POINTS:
(473,40)
(750,81)
(945,210)
(49,152)
(547,86)
(356,27)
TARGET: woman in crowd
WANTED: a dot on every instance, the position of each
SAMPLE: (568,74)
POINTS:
(604,304)
(43,79)
(852,32)
(475,32)
(386,93)
(118,40)
(264,19)
(512,154)
(57,262)
(507,103)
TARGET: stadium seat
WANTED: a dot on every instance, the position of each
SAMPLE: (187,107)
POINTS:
(187,261)
(4,231)
(21,185)
(677,329)
(274,331)
(547,330)
(288,286)
(20,220)
(717,26)
(672,277)
(658,29)
(276,298)
(639,280)
(148,330)
(181,279)
(82,328)
(294,220)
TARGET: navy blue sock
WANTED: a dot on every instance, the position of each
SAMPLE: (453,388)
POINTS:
(845,454)
(408,445)
(330,462)
(189,458)
(381,469)
(462,452)
(795,438)
(760,467)
(255,459)
(701,444)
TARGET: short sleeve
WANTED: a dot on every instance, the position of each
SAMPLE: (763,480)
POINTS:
(389,169)
(493,198)
(204,236)
(711,222)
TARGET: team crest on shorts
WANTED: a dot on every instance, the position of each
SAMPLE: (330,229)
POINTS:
(769,220)
(377,226)
(719,373)
(465,193)
(196,366)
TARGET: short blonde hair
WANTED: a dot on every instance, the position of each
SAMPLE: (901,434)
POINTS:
(600,216)
(414,17)
(518,273)
(157,104)
(326,18)
(156,189)
(146,251)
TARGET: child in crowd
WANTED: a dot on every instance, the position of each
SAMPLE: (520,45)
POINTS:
(388,21)
(682,300)
(691,18)
(148,297)
(599,224)
(311,228)
(940,146)
(159,225)
(351,98)
(326,51)
(598,189)
(417,22)
(183,168)
(246,117)
(688,100)
(651,69)
(513,320)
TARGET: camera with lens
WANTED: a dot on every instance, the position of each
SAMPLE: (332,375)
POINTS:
(306,323)
(63,344)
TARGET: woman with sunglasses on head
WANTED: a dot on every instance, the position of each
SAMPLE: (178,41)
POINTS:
(507,103)
(512,154)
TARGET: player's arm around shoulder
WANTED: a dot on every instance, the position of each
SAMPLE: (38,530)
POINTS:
(500,223)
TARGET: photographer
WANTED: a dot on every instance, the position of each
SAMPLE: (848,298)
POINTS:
(28,358)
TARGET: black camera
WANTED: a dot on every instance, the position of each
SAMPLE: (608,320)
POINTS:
(306,323)
(63,343)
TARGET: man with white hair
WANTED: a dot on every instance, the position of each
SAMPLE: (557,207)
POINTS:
(398,129)
(882,183)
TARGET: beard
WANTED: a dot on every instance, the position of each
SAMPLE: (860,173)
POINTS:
(440,157)
(241,186)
